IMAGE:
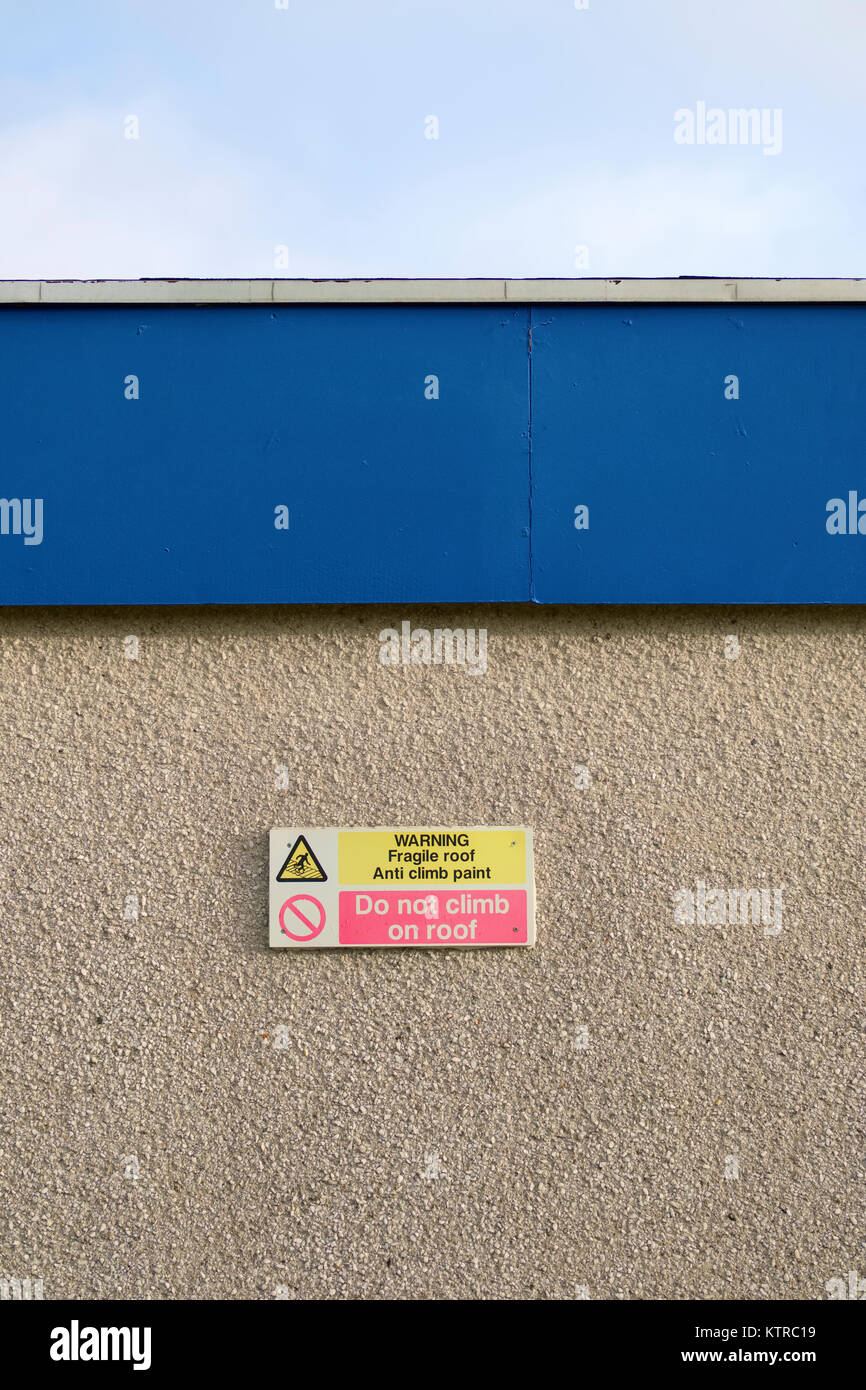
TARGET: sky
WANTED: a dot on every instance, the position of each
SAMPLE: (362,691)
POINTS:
(484,138)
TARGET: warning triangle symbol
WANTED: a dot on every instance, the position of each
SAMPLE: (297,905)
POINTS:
(302,866)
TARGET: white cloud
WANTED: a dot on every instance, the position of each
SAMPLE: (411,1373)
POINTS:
(81,201)
(675,218)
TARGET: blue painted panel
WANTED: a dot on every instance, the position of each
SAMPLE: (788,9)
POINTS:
(396,498)
(170,498)
(694,498)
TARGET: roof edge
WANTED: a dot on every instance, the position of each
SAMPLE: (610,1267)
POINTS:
(682,290)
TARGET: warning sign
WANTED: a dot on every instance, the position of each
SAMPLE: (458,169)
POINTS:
(403,887)
(301,865)
(432,856)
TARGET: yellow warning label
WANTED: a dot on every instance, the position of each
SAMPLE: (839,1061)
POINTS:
(301,866)
(432,856)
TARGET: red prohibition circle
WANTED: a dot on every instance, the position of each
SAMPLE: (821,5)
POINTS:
(314,928)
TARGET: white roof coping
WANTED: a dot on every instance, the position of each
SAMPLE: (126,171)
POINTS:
(685,290)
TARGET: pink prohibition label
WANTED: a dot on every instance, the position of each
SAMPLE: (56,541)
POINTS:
(446,917)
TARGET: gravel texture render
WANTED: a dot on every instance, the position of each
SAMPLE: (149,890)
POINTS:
(636,1108)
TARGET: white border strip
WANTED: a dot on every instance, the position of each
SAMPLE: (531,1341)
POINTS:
(688,290)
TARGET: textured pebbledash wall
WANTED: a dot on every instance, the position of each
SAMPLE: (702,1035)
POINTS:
(641,1107)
